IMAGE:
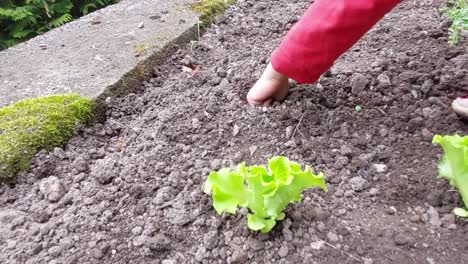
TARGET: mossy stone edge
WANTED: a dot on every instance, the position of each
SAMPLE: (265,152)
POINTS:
(209,9)
(38,123)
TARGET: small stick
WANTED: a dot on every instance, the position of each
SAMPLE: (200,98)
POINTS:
(198,25)
(207,92)
(342,251)
(164,206)
(298,124)
(381,111)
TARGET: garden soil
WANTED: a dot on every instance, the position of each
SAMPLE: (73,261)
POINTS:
(129,190)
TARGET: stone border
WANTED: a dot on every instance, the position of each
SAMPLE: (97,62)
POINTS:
(106,53)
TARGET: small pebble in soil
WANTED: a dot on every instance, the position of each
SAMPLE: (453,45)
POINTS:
(255,244)
(452,227)
(55,251)
(340,212)
(448,220)
(317,245)
(237,157)
(434,219)
(252,150)
(137,230)
(200,254)
(80,165)
(383,132)
(343,230)
(104,170)
(36,249)
(426,86)
(359,82)
(384,80)
(335,180)
(419,209)
(320,227)
(332,237)
(290,144)
(415,218)
(52,189)
(10,244)
(289,132)
(401,240)
(239,256)
(346,151)
(374,191)
(391,210)
(341,162)
(283,251)
(380,168)
(358,183)
(426,134)
(235,130)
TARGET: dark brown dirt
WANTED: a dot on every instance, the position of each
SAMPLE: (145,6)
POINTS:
(129,190)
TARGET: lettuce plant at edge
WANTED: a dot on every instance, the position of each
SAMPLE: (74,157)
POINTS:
(454,165)
(265,192)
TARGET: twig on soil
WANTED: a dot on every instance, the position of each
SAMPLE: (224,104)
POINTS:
(301,134)
(207,92)
(298,124)
(381,111)
(342,251)
(198,26)
(164,206)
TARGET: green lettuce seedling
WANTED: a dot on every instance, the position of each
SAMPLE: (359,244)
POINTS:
(265,192)
(454,165)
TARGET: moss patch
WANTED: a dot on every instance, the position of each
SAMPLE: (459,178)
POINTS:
(209,9)
(38,123)
(457,11)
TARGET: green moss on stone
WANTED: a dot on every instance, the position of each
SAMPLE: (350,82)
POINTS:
(209,9)
(38,123)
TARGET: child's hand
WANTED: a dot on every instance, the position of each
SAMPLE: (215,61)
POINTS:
(272,86)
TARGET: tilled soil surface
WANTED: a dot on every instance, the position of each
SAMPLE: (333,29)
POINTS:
(130,190)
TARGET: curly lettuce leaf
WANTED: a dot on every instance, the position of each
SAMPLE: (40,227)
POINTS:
(227,188)
(265,192)
(461,212)
(258,223)
(290,187)
(454,165)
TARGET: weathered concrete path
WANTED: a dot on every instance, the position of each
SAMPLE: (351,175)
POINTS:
(108,50)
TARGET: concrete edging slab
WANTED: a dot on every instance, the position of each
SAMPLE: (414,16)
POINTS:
(108,52)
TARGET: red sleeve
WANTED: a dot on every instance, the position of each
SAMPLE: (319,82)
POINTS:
(324,33)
